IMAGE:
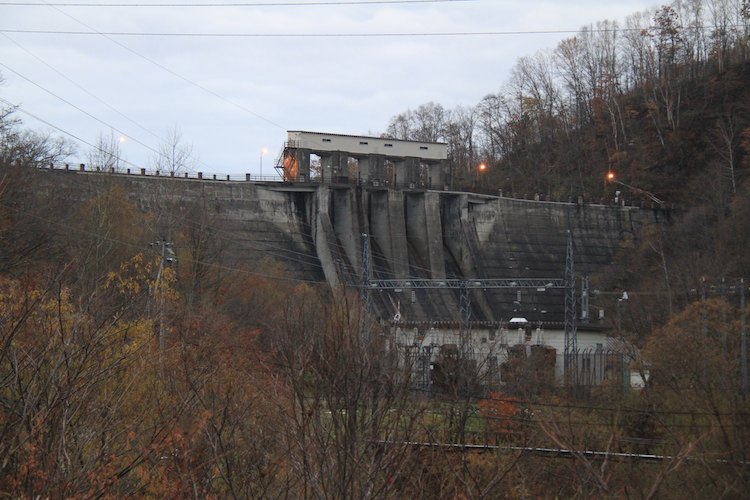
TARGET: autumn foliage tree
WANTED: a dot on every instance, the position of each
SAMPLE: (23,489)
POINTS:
(697,389)
(71,386)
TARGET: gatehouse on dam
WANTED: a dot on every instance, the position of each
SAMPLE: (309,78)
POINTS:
(369,161)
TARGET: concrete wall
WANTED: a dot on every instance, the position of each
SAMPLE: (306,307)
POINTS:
(523,238)
(314,232)
(247,223)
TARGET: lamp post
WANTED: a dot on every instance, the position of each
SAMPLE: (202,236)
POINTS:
(262,152)
(481,169)
(648,194)
(121,141)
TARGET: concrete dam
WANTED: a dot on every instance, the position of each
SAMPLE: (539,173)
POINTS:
(316,233)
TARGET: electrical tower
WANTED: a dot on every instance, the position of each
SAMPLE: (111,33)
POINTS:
(364,292)
(464,287)
(571,341)
(585,309)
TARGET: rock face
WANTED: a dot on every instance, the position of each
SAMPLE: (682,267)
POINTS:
(315,232)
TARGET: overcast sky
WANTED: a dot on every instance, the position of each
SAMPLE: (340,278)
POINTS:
(233,97)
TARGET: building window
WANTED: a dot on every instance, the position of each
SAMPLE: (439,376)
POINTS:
(363,143)
(388,145)
(326,140)
(423,147)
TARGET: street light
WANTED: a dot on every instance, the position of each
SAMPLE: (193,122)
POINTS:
(481,168)
(262,152)
(649,195)
(118,150)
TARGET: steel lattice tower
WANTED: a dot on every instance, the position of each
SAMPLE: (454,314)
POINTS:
(571,343)
(365,298)
(465,308)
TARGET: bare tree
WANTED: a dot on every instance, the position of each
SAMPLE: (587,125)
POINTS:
(399,126)
(694,39)
(460,134)
(637,51)
(26,147)
(349,419)
(105,154)
(727,139)
(426,123)
(723,26)
(174,156)
(569,62)
(667,37)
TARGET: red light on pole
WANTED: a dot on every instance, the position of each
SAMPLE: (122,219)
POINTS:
(610,176)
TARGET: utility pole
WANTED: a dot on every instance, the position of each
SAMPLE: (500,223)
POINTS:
(571,339)
(465,307)
(466,351)
(167,257)
(724,333)
(743,336)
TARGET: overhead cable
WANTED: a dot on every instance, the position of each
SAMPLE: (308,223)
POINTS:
(16,107)
(340,35)
(232,4)
(93,31)
(112,127)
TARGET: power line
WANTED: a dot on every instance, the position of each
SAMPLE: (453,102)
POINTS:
(301,35)
(158,153)
(63,131)
(341,35)
(78,108)
(232,4)
(91,94)
(99,99)
(93,31)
